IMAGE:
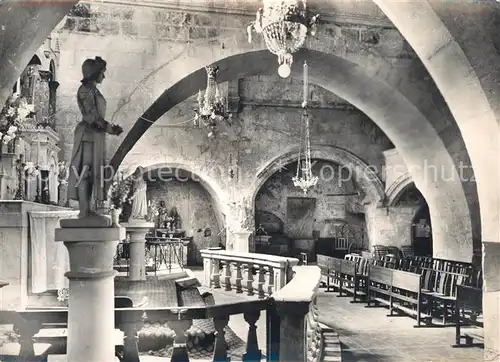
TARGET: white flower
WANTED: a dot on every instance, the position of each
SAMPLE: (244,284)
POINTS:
(12,130)
(11,112)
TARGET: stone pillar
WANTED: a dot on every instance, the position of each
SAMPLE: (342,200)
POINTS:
(241,240)
(91,318)
(491,300)
(293,326)
(137,231)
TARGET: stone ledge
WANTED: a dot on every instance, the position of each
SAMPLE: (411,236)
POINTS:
(89,234)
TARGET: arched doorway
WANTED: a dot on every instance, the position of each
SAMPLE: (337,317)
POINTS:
(422,232)
(421,229)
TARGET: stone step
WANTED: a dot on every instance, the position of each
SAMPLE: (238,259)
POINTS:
(332,359)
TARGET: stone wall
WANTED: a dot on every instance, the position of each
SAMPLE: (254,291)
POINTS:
(331,197)
(194,206)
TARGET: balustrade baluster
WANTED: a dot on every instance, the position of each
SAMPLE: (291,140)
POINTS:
(227,275)
(215,274)
(130,347)
(239,277)
(249,279)
(180,351)
(261,281)
(270,283)
(272,333)
(220,348)
(253,352)
(26,332)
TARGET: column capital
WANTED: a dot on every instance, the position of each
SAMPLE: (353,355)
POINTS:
(90,250)
(137,226)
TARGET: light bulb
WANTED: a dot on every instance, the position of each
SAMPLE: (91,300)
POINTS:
(284,70)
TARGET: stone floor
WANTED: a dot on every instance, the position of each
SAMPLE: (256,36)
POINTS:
(368,335)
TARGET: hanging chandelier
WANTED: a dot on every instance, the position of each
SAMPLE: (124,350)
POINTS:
(211,106)
(284,24)
(304,178)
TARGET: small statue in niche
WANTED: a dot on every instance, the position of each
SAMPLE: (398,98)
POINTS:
(162,215)
(176,219)
(139,197)
(86,179)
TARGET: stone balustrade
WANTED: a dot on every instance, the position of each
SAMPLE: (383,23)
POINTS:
(296,305)
(292,328)
(255,274)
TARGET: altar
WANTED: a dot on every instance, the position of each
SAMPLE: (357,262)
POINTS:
(168,249)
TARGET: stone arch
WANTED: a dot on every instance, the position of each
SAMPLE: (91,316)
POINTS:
(395,190)
(364,176)
(205,181)
(385,105)
(461,87)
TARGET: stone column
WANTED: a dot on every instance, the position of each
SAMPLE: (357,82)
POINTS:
(91,318)
(241,240)
(491,300)
(137,231)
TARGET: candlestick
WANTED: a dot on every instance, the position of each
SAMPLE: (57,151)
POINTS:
(200,98)
(38,150)
(306,83)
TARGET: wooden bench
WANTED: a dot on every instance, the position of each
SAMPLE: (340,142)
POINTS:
(330,268)
(352,281)
(470,298)
(399,290)
(440,288)
(343,275)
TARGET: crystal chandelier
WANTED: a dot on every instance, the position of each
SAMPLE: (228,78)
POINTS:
(284,24)
(304,178)
(211,106)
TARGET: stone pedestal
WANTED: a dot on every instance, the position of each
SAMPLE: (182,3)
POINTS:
(241,241)
(491,300)
(91,318)
(137,230)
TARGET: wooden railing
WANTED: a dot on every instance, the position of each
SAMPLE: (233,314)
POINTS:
(292,328)
(260,274)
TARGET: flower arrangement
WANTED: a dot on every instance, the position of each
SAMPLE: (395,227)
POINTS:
(63,172)
(153,212)
(120,193)
(63,294)
(12,116)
